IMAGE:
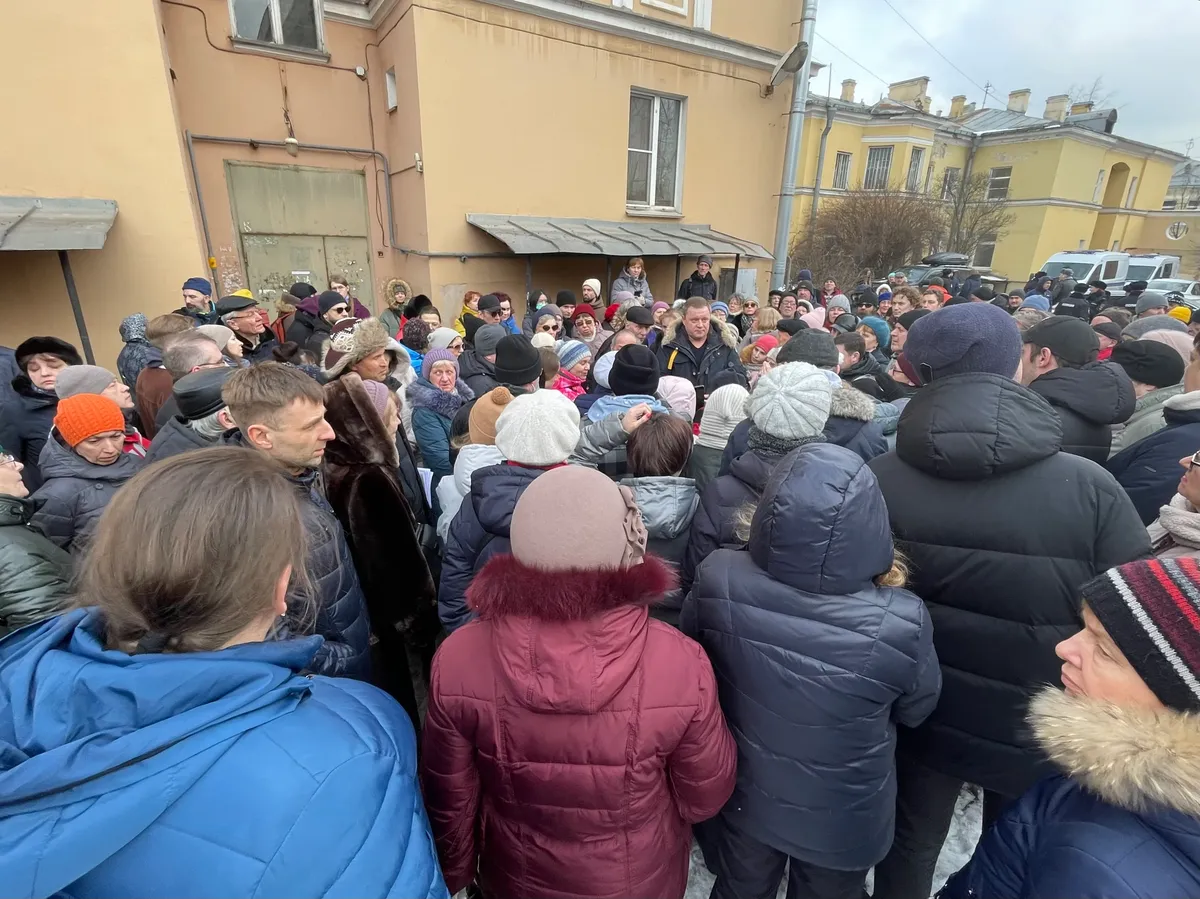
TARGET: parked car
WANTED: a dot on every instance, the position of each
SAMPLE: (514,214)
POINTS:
(1188,291)
(957,263)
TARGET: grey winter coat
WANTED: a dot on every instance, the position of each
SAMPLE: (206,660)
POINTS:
(174,438)
(626,281)
(75,492)
(667,506)
(1061,290)
(35,575)
(1147,419)
(816,664)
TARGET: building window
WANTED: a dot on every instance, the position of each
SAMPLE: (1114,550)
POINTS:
(998,183)
(289,23)
(679,6)
(655,152)
(984,251)
(1193,204)
(623,4)
(914,170)
(841,171)
(390,81)
(702,14)
(1133,182)
(879,168)
(1170,204)
(1099,187)
(950,183)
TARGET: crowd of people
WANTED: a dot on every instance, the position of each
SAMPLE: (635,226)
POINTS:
(330,603)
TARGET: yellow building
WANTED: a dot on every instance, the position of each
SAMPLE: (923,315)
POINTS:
(485,144)
(1069,181)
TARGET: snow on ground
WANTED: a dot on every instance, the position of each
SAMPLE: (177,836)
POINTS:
(960,843)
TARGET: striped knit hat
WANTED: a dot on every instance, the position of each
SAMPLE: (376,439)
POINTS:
(1152,612)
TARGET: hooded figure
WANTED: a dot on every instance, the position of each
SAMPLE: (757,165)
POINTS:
(571,741)
(137,352)
(815,596)
(286,306)
(363,487)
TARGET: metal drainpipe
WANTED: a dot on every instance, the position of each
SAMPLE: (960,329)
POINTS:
(191,148)
(812,213)
(791,154)
(328,148)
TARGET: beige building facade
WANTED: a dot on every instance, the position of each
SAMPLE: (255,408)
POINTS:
(285,140)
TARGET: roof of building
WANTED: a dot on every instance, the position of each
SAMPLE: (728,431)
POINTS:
(529,235)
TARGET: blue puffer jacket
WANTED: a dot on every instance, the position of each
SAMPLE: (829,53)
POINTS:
(479,531)
(815,664)
(1123,823)
(1149,470)
(201,774)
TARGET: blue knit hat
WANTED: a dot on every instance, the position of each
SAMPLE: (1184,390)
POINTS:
(882,332)
(719,306)
(973,337)
(570,352)
(200,285)
(1037,302)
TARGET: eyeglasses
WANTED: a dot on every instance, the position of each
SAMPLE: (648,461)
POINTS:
(7,461)
(1194,460)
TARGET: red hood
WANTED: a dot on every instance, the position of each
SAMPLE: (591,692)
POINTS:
(567,641)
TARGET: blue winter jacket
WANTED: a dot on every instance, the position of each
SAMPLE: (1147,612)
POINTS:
(479,531)
(1123,823)
(1149,470)
(815,664)
(202,774)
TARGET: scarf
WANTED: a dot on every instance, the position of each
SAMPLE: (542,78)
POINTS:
(1178,525)
(769,445)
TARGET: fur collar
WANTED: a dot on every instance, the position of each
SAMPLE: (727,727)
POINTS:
(728,333)
(424,395)
(506,587)
(361,438)
(846,402)
(1132,758)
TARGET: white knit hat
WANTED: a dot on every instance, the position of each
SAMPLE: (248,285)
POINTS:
(791,401)
(724,410)
(543,340)
(539,428)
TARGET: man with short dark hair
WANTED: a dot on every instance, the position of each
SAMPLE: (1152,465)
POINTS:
(1058,362)
(862,371)
(1001,529)
(280,411)
(240,315)
(699,352)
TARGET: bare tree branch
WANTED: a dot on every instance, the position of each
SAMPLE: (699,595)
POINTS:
(1095,93)
(974,218)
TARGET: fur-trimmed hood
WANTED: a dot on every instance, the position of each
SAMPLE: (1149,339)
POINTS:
(846,402)
(1136,759)
(567,641)
(361,438)
(423,395)
(730,335)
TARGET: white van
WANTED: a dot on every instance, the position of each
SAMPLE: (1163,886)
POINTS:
(1147,267)
(1091,265)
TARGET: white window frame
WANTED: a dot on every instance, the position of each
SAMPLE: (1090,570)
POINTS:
(1129,198)
(652,207)
(277,27)
(389,78)
(1170,204)
(680,8)
(990,243)
(949,189)
(841,174)
(702,14)
(1098,191)
(992,189)
(887,170)
(916,162)
(623,4)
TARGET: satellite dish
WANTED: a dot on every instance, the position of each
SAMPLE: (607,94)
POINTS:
(790,64)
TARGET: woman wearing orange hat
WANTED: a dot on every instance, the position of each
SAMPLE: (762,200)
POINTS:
(83,464)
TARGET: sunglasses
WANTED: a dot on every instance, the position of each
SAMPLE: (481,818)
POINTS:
(340,309)
(750,305)
(455,347)
(550,328)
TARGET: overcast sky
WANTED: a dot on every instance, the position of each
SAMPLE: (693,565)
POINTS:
(1143,50)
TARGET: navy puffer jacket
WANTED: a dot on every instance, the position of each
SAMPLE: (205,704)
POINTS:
(1124,823)
(815,664)
(479,531)
(1149,470)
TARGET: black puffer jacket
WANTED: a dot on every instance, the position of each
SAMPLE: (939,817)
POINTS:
(75,493)
(35,575)
(1001,529)
(479,374)
(715,521)
(816,664)
(696,286)
(479,531)
(173,438)
(341,609)
(679,358)
(28,422)
(1088,400)
(867,375)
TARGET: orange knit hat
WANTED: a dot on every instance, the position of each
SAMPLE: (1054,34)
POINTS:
(86,415)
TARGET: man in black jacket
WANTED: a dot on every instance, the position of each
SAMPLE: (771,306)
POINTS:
(240,315)
(699,353)
(1058,362)
(1001,529)
(862,371)
(280,411)
(701,283)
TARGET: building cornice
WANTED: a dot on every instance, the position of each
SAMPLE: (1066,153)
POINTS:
(595,17)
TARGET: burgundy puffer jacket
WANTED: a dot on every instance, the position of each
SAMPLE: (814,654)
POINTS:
(571,741)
